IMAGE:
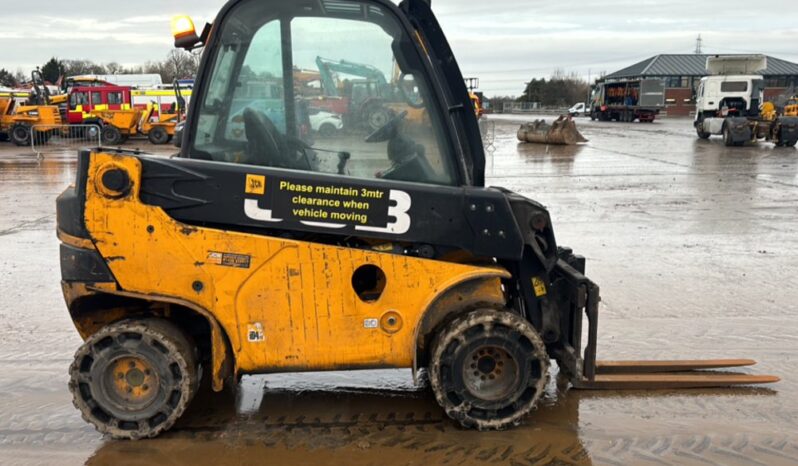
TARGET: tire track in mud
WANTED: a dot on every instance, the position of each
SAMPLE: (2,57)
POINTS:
(425,436)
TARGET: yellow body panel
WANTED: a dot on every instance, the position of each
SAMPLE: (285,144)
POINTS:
(125,120)
(284,304)
(159,92)
(42,115)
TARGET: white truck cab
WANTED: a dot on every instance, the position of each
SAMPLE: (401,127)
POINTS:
(722,96)
(728,102)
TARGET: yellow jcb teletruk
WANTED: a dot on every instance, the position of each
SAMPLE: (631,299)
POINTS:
(263,251)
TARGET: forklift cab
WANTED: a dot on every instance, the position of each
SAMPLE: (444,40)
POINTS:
(262,46)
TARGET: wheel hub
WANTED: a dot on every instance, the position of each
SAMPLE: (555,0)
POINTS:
(134,381)
(490,373)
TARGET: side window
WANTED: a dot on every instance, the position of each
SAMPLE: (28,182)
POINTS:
(114,98)
(96,98)
(350,101)
(78,98)
(734,86)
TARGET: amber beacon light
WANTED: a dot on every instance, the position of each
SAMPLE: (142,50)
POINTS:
(184,32)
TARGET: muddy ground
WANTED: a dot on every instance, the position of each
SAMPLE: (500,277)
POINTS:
(694,246)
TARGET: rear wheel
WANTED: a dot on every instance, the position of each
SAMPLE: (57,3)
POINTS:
(728,140)
(111,135)
(158,135)
(133,379)
(488,369)
(20,135)
(378,116)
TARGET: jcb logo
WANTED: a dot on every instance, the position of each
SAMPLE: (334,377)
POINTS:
(256,184)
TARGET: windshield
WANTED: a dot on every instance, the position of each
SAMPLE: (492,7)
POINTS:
(335,90)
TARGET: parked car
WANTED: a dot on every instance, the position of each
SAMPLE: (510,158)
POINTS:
(579,109)
(326,123)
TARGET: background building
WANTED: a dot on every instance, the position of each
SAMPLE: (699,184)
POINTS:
(682,74)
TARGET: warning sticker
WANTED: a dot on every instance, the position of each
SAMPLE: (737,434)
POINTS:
(229,259)
(539,285)
(330,202)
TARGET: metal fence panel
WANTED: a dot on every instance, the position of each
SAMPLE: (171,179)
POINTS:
(63,138)
(487,129)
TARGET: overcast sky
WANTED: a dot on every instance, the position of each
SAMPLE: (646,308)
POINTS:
(503,42)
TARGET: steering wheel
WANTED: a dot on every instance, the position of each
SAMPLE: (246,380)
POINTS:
(265,143)
(388,130)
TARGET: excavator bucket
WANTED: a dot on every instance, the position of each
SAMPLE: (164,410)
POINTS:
(561,132)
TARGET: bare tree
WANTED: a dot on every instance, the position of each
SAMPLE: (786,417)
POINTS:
(114,68)
(20,76)
(178,65)
(79,67)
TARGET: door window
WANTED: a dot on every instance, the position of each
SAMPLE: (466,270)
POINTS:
(338,91)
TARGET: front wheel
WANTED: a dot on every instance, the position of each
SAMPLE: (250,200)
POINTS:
(488,369)
(133,379)
(21,135)
(158,135)
(327,130)
(111,135)
(701,133)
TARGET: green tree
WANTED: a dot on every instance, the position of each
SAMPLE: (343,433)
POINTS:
(560,90)
(7,79)
(52,70)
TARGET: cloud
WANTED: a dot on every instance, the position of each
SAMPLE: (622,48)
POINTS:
(504,42)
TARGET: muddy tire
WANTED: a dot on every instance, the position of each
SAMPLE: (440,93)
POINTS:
(133,379)
(111,135)
(488,369)
(158,135)
(21,135)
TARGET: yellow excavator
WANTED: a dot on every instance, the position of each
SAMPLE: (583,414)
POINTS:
(261,252)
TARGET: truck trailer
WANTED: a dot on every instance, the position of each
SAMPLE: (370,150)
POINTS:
(627,100)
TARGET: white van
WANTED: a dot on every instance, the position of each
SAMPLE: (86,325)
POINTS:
(579,109)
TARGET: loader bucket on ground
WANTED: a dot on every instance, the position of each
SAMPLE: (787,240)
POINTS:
(562,132)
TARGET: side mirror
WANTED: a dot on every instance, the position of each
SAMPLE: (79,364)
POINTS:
(184,32)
